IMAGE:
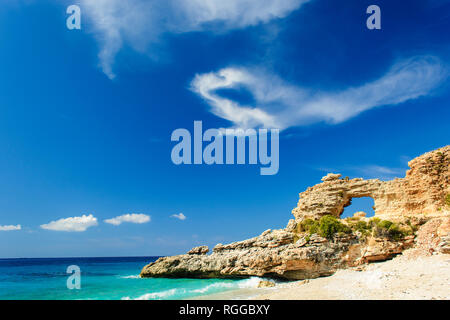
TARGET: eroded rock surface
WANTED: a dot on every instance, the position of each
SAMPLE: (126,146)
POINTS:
(422,195)
(422,192)
(199,250)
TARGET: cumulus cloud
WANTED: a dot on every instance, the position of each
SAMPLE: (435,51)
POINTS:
(279,104)
(11,228)
(141,23)
(179,216)
(72,224)
(131,218)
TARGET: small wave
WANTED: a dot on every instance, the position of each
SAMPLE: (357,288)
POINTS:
(156,295)
(211,288)
(250,283)
(247,283)
(133,276)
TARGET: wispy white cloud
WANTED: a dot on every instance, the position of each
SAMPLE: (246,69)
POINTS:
(179,216)
(279,104)
(10,228)
(72,224)
(141,23)
(379,172)
(138,218)
(233,14)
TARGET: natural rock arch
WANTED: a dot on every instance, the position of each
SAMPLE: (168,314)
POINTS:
(359,206)
(421,192)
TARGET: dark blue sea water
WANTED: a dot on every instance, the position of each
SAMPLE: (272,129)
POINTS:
(101,278)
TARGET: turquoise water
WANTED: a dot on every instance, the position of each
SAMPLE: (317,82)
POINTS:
(101,278)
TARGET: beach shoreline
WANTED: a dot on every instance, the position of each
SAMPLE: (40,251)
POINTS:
(406,277)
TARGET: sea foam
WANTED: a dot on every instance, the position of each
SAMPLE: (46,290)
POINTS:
(210,288)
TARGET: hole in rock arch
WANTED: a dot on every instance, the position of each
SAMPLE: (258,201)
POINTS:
(364,204)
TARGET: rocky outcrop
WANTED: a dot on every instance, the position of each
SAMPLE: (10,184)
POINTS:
(422,193)
(291,253)
(199,250)
(434,236)
(273,254)
(277,255)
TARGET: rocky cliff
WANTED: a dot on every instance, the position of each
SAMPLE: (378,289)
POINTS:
(411,211)
(422,192)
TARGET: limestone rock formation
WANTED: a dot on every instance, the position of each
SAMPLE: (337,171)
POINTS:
(272,255)
(421,193)
(422,197)
(331,177)
(199,250)
(360,214)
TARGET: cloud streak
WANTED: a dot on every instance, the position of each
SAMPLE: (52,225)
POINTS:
(179,216)
(138,218)
(279,104)
(142,23)
(11,228)
(72,224)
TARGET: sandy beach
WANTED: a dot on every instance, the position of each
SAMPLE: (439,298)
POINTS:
(407,276)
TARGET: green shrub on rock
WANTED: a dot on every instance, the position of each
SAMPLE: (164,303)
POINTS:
(330,225)
(388,229)
(374,222)
(326,227)
(385,224)
(363,227)
(413,228)
(309,225)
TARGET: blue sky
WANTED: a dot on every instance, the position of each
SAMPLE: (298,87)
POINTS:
(86,115)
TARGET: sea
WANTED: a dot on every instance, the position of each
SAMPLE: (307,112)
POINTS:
(101,279)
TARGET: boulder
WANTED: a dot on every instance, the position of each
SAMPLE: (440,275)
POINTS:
(359,214)
(266,284)
(199,250)
(331,177)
